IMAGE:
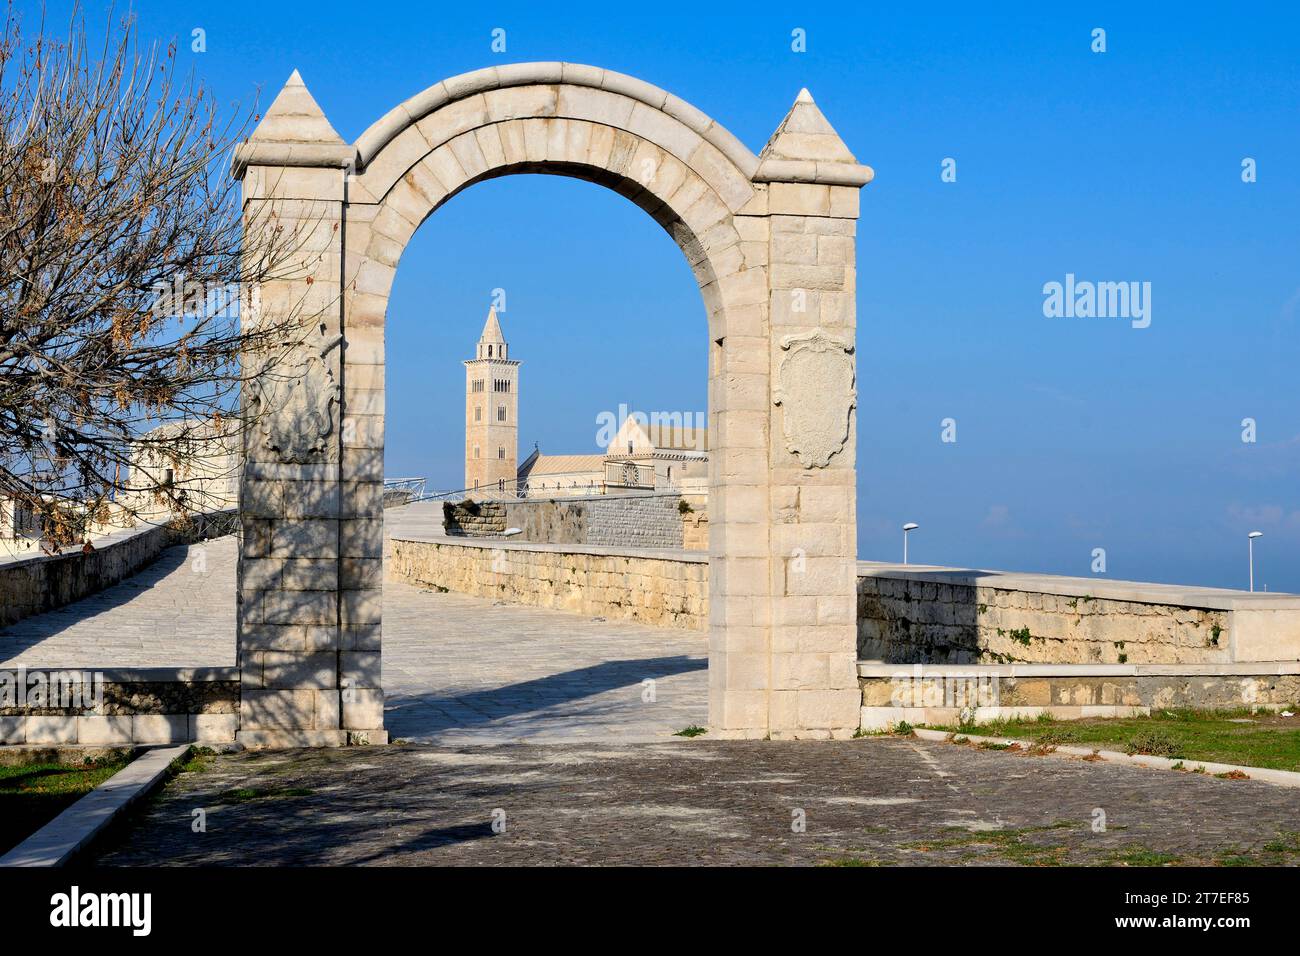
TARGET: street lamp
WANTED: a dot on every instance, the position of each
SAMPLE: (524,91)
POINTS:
(910,526)
(1250,544)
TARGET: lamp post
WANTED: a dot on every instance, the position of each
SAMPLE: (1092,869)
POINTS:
(907,528)
(1250,545)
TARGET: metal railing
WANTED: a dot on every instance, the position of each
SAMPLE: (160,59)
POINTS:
(406,491)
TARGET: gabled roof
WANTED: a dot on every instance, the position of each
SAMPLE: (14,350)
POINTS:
(561,465)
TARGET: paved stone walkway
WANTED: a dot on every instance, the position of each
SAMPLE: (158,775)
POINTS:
(178,612)
(462,670)
(457,669)
(876,801)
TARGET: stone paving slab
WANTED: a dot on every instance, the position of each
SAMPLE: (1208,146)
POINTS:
(461,670)
(177,612)
(879,801)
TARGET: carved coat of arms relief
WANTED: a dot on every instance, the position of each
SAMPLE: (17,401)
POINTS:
(817,391)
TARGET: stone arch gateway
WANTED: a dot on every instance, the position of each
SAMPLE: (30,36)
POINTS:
(770,239)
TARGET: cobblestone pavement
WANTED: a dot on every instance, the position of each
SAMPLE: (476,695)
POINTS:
(177,612)
(870,801)
(462,670)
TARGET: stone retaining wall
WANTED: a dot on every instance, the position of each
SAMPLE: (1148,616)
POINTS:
(666,588)
(939,694)
(42,583)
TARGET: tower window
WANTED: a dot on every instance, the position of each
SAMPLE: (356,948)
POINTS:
(501,413)
(629,448)
(501,452)
(489,351)
(476,451)
(478,413)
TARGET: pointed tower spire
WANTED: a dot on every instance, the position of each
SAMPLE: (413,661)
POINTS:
(492,329)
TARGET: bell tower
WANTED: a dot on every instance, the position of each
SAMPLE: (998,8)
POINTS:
(491,413)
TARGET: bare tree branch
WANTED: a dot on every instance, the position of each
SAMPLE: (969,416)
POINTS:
(124,269)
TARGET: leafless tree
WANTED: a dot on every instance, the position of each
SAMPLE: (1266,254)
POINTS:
(122,269)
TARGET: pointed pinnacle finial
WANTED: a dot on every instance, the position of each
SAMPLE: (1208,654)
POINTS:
(805,134)
(295,117)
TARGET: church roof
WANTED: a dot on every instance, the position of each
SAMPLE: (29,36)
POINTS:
(492,328)
(677,437)
(659,435)
(561,465)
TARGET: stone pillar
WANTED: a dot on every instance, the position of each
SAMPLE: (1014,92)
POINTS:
(308,610)
(812,216)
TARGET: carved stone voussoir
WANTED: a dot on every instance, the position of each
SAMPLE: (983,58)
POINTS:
(816,389)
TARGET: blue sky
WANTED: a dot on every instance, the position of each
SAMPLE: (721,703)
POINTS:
(1072,434)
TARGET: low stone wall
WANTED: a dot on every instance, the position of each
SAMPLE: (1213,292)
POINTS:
(638,520)
(947,694)
(119,707)
(650,519)
(37,584)
(666,588)
(910,614)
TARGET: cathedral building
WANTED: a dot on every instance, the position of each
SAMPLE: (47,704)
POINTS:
(647,453)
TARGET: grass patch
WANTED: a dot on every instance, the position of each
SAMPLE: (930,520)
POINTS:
(691,731)
(851,861)
(1194,736)
(1012,845)
(33,795)
(1155,741)
(196,760)
(1141,856)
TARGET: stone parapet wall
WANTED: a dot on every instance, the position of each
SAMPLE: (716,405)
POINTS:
(42,583)
(651,519)
(905,615)
(665,588)
(151,706)
(945,615)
